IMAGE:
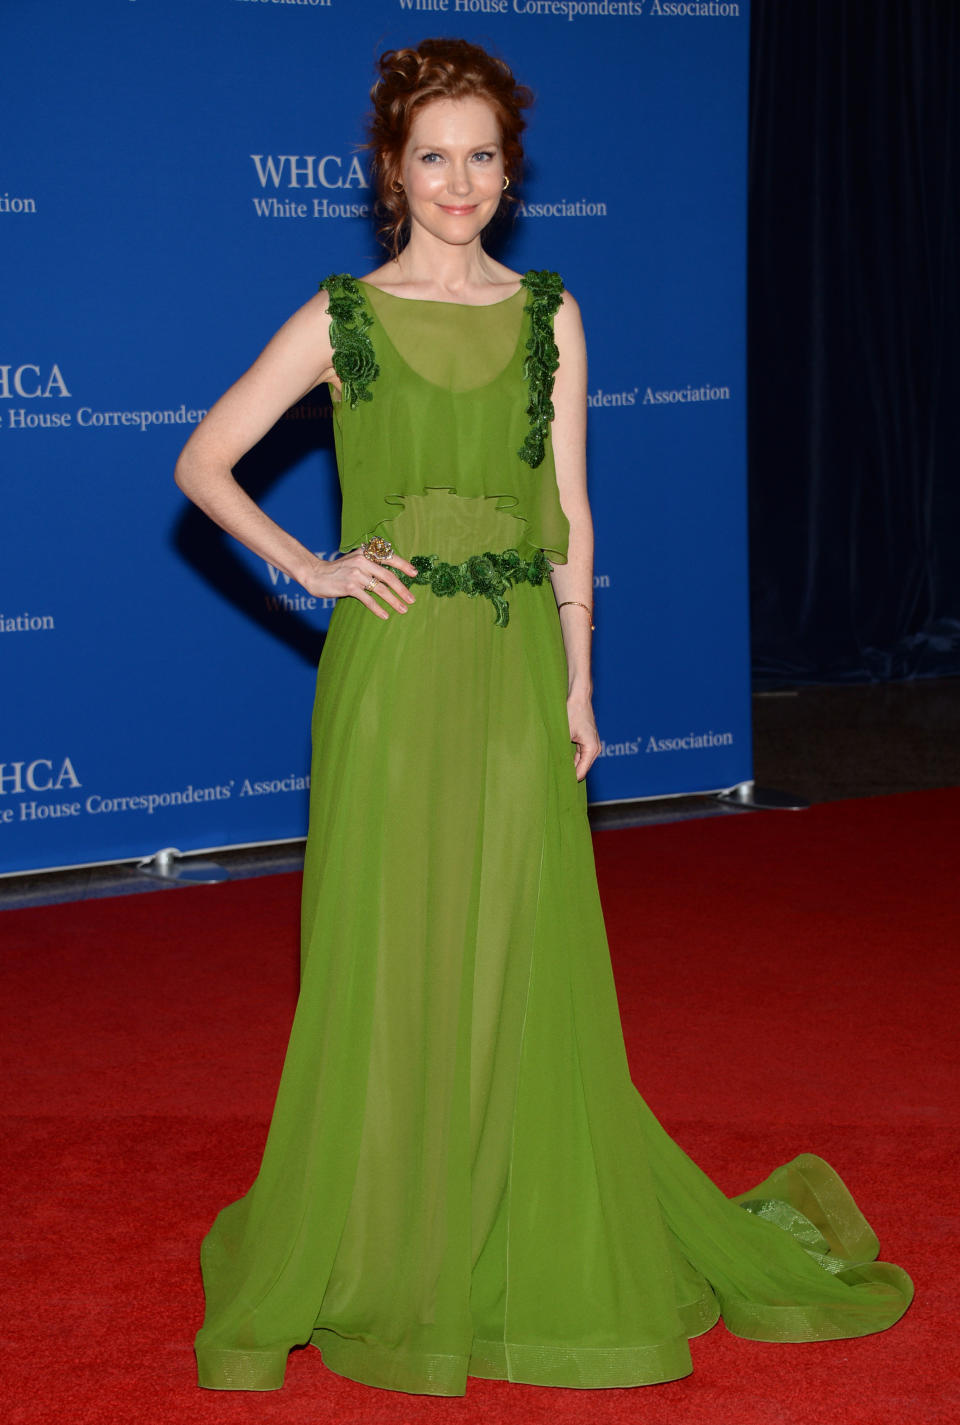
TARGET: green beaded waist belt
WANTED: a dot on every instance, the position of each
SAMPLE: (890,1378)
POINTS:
(486,576)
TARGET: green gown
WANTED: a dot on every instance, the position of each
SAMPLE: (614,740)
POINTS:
(460,1177)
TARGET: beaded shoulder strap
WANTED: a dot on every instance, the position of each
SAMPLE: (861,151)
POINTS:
(544,297)
(354,359)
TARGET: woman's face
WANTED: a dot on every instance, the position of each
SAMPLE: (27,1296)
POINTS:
(452,168)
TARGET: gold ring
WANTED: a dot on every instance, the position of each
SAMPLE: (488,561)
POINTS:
(377,549)
(369,588)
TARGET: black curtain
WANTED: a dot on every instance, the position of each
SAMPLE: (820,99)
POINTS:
(854,355)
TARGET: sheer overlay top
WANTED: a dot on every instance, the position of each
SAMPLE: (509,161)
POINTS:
(443,395)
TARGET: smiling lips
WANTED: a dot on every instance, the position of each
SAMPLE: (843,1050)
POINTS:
(459,211)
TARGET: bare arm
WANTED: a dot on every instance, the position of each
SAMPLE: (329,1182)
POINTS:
(298,358)
(573,581)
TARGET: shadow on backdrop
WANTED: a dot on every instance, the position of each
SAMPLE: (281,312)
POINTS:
(215,555)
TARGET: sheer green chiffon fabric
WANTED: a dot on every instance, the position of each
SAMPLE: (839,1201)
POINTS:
(460,1178)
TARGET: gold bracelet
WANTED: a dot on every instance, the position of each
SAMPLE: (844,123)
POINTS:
(578,604)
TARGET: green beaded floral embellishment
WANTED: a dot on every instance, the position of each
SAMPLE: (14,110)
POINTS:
(542,359)
(488,576)
(354,359)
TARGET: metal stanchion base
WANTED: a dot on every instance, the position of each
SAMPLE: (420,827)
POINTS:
(748,794)
(169,865)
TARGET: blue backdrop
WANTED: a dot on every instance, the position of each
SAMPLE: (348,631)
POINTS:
(179,174)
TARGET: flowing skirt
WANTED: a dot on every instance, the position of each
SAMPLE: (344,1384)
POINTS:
(460,1178)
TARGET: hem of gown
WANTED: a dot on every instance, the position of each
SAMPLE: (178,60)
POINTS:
(814,1188)
(222,1369)
(581,1367)
(572,1368)
(414,1373)
(700,1316)
(862,1315)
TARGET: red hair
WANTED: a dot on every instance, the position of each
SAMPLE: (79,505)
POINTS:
(412,78)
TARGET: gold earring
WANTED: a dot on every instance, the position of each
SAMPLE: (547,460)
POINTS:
(506,183)
(397,186)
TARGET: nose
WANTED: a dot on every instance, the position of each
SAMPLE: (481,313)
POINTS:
(459,181)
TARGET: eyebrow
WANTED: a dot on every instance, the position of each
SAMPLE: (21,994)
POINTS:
(440,148)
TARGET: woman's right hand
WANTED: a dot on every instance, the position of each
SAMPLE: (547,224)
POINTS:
(351,576)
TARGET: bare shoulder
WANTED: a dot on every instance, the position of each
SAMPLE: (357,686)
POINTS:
(384,277)
(299,355)
(568,325)
(308,327)
(314,309)
(569,310)
(505,276)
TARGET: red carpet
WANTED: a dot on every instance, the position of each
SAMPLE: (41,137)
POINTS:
(788,981)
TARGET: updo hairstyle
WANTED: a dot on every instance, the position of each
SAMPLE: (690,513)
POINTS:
(411,78)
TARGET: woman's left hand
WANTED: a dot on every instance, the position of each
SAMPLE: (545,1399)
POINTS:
(583,735)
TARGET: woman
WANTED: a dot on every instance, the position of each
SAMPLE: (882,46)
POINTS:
(460,1177)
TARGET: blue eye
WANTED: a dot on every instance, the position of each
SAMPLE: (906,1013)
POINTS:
(481,156)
